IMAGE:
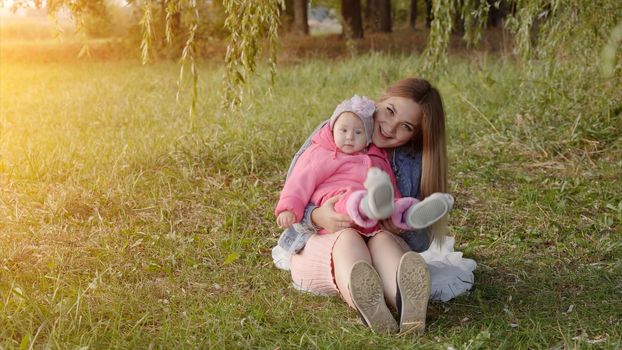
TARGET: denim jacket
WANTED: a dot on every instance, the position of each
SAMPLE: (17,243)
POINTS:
(407,171)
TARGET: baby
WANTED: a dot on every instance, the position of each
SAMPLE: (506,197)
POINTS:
(342,160)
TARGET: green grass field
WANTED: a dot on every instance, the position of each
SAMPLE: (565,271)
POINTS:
(127,223)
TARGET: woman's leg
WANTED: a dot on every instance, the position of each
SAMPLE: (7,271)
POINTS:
(359,283)
(386,253)
(349,248)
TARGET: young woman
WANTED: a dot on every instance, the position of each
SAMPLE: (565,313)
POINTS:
(373,274)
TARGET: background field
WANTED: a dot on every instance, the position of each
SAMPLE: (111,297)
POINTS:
(125,222)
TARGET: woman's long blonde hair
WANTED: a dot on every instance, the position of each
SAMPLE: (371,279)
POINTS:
(429,138)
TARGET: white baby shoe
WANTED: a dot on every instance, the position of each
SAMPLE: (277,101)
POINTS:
(429,210)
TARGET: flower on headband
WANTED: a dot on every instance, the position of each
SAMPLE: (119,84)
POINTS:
(362,106)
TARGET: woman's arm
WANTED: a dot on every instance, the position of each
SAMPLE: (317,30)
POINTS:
(327,218)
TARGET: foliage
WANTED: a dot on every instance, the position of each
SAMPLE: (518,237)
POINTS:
(440,30)
(401,10)
(147,34)
(173,21)
(543,30)
(188,56)
(187,11)
(553,30)
(610,54)
(249,22)
(474,14)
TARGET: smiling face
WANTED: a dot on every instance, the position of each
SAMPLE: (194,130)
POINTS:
(349,133)
(395,122)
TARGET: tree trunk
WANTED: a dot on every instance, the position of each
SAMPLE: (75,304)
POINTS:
(372,20)
(351,13)
(458,20)
(496,16)
(301,19)
(368,10)
(287,16)
(428,16)
(413,13)
(384,14)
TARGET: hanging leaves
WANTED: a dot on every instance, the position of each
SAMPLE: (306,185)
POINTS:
(521,24)
(474,14)
(543,29)
(190,14)
(146,24)
(249,22)
(172,8)
(440,29)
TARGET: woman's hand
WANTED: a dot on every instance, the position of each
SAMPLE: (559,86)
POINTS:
(388,225)
(327,218)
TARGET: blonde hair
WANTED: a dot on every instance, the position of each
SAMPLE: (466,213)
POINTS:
(429,138)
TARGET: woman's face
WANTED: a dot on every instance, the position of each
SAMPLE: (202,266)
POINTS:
(395,122)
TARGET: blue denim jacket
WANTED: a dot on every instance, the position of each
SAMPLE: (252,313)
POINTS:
(407,171)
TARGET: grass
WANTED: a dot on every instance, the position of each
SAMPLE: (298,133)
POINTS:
(125,222)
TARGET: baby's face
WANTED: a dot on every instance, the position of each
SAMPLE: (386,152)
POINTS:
(349,133)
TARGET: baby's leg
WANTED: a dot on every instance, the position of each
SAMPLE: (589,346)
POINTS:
(350,205)
(413,214)
(378,203)
(398,216)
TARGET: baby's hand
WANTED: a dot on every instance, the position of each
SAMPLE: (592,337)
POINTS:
(286,219)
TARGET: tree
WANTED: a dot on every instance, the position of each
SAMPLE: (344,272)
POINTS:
(287,15)
(301,20)
(412,20)
(414,12)
(384,14)
(499,11)
(353,22)
(378,15)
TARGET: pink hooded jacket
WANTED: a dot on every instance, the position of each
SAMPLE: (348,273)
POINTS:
(324,171)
